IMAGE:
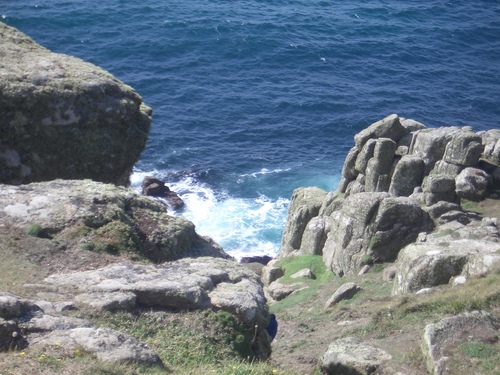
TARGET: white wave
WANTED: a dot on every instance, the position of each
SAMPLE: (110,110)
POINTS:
(242,226)
(264,171)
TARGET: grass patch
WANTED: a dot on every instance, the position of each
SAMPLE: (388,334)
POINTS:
(36,230)
(468,205)
(478,350)
(186,341)
(315,263)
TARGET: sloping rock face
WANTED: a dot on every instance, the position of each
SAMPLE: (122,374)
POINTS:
(85,215)
(64,118)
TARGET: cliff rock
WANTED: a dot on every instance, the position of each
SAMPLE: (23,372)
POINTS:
(76,216)
(400,179)
(64,118)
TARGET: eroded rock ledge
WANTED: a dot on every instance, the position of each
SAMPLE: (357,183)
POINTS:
(64,118)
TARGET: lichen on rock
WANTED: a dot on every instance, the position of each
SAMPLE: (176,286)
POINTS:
(64,118)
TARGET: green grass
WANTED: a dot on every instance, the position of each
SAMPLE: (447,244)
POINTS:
(36,230)
(188,341)
(478,350)
(315,263)
(311,287)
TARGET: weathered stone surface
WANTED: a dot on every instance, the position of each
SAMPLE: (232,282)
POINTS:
(441,338)
(315,235)
(108,301)
(154,187)
(435,262)
(305,204)
(440,208)
(472,184)
(188,283)
(106,344)
(389,127)
(349,170)
(411,125)
(116,219)
(47,323)
(332,202)
(430,144)
(278,291)
(64,118)
(306,272)
(352,356)
(10,306)
(464,149)
(345,291)
(439,187)
(491,142)
(365,155)
(270,274)
(408,174)
(379,166)
(443,167)
(374,225)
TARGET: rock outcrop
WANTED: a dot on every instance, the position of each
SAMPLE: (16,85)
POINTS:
(64,118)
(457,248)
(187,284)
(400,179)
(442,337)
(83,215)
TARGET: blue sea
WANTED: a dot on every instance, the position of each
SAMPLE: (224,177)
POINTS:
(254,98)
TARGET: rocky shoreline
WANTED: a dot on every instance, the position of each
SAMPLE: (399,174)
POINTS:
(104,248)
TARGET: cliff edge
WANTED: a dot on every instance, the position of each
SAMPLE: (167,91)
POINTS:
(64,118)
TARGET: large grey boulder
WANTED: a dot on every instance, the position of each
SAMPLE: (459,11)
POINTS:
(352,356)
(64,118)
(430,145)
(105,344)
(345,291)
(439,187)
(305,204)
(472,184)
(374,226)
(446,253)
(315,235)
(83,214)
(389,127)
(408,174)
(464,149)
(441,338)
(349,169)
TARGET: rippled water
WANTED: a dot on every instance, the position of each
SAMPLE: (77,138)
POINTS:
(254,98)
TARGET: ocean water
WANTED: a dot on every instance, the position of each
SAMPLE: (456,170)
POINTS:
(254,98)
